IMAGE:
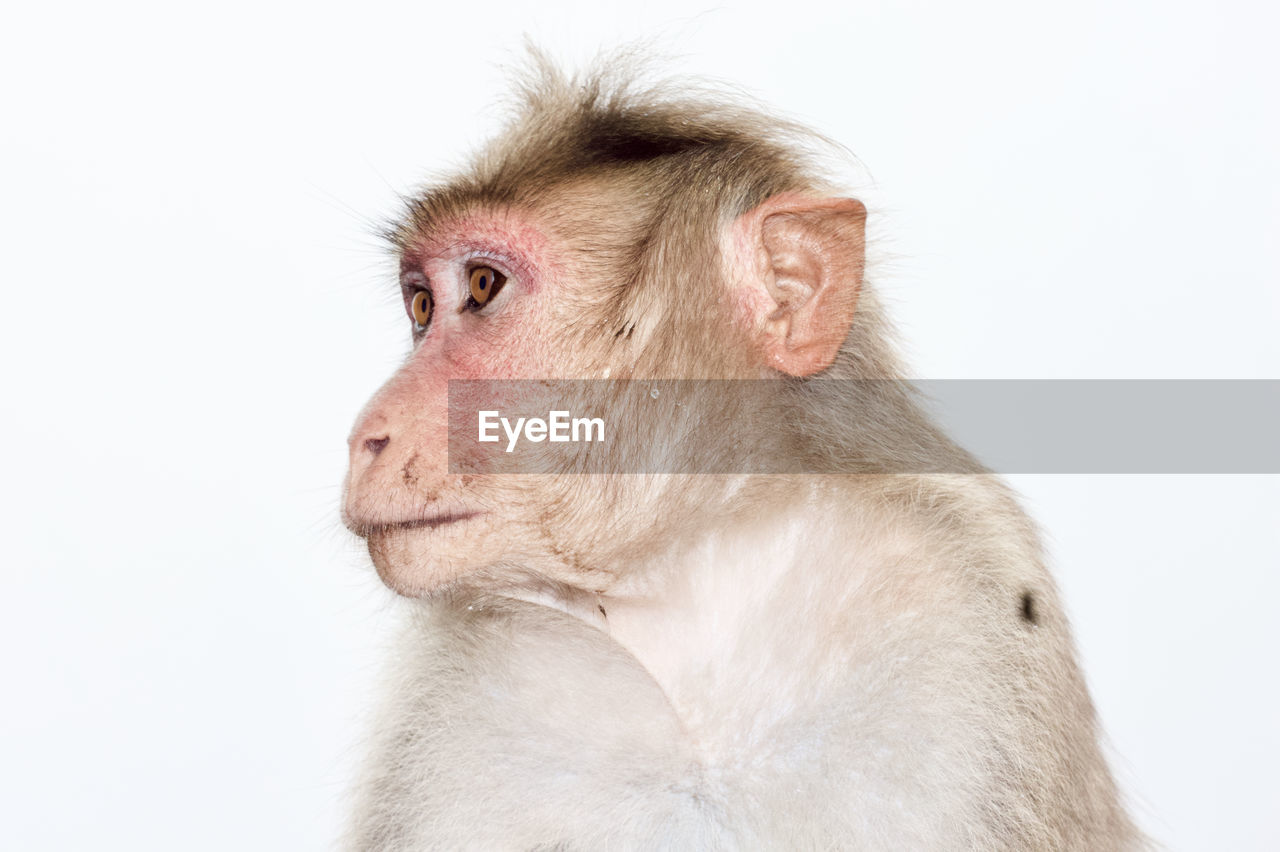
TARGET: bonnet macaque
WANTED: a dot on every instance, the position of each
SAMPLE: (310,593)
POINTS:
(820,625)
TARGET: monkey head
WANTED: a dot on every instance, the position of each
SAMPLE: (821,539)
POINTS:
(613,272)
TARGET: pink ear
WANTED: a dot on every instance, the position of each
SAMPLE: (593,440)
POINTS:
(809,256)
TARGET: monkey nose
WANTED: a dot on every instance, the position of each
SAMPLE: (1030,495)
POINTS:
(364,451)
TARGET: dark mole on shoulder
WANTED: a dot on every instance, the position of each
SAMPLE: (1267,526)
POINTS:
(1028,609)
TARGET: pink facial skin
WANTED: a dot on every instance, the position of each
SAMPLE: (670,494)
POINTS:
(398,485)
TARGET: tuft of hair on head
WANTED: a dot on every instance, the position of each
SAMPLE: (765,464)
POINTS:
(622,118)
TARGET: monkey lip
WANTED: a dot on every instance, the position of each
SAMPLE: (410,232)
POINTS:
(368,529)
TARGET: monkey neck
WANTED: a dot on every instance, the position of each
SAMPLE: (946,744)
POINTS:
(694,624)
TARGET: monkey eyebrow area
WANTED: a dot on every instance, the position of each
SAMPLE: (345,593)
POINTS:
(413,279)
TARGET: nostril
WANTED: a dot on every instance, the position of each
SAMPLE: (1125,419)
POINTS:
(376,445)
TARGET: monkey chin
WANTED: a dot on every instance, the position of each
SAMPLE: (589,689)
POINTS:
(416,561)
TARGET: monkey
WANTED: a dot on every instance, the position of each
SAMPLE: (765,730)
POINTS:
(842,636)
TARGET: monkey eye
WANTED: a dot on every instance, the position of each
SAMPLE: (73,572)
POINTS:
(420,306)
(485,283)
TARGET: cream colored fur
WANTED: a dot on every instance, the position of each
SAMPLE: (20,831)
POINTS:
(772,689)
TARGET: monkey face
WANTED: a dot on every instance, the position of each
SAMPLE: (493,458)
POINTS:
(485,295)
(471,291)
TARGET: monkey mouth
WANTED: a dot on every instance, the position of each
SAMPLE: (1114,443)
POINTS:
(367,529)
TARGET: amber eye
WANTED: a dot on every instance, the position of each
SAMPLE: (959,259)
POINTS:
(485,284)
(420,306)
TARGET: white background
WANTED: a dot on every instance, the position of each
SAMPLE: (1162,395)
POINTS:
(194,309)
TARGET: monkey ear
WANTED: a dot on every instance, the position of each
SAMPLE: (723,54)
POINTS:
(806,269)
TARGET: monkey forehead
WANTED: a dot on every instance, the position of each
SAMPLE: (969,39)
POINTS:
(545,232)
(516,234)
